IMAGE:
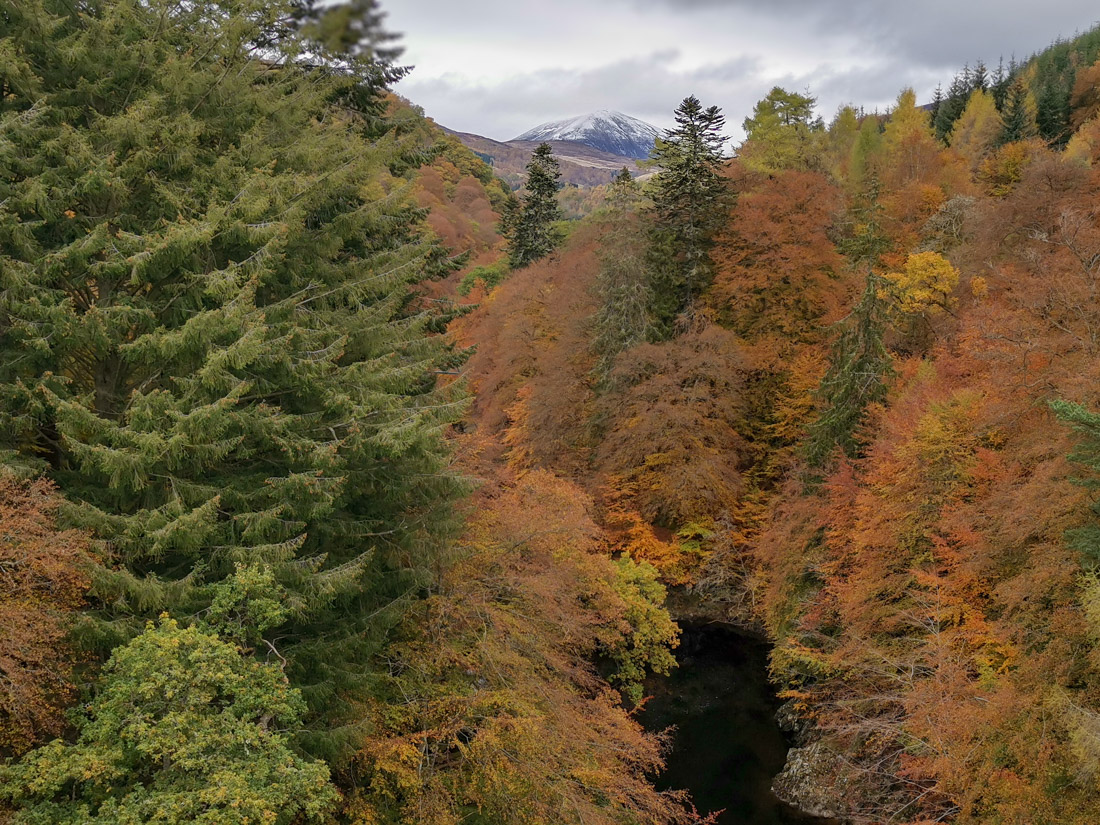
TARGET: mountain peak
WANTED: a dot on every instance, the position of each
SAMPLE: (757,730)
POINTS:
(604,129)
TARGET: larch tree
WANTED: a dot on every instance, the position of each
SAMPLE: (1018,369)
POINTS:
(976,131)
(208,342)
(782,133)
(44,579)
(532,234)
(690,202)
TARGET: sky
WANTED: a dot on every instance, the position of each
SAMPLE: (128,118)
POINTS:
(500,67)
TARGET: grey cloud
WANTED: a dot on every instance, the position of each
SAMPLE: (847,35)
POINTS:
(933,32)
(648,87)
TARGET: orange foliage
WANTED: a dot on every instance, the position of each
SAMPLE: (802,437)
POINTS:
(44,580)
(778,275)
(496,704)
(671,431)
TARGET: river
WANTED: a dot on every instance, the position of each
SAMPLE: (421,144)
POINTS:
(727,747)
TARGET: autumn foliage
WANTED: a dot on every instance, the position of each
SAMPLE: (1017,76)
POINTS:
(45,576)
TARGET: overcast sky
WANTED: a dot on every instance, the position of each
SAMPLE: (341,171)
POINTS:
(500,67)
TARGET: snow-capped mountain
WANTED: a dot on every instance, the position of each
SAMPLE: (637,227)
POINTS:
(608,131)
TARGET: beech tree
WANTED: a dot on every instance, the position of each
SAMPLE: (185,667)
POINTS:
(44,579)
(208,342)
(690,199)
(532,234)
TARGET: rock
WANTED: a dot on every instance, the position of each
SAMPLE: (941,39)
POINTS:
(814,780)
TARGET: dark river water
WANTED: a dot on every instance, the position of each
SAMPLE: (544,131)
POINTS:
(727,747)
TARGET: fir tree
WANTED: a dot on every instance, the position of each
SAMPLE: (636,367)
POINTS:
(531,231)
(207,340)
(690,201)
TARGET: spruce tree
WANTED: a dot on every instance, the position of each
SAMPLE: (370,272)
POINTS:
(1018,114)
(622,286)
(207,337)
(531,233)
(690,205)
(999,84)
(859,363)
(1085,539)
(952,106)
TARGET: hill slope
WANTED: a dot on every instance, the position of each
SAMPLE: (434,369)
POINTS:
(581,165)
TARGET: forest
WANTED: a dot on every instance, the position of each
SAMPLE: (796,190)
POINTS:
(340,483)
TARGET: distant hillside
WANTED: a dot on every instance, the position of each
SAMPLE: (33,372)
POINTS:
(581,165)
(605,130)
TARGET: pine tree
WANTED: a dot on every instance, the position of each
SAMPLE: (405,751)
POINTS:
(531,232)
(782,134)
(690,202)
(208,341)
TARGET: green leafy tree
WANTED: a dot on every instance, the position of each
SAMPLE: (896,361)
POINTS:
(183,729)
(866,152)
(207,340)
(690,205)
(531,233)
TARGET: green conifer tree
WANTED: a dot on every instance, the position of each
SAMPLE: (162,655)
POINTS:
(531,232)
(622,285)
(208,342)
(1018,113)
(952,106)
(1086,539)
(690,204)
(859,363)
(782,133)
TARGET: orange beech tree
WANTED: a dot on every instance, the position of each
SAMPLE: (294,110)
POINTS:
(43,578)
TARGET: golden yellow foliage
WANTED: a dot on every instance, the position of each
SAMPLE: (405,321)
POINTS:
(924,285)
